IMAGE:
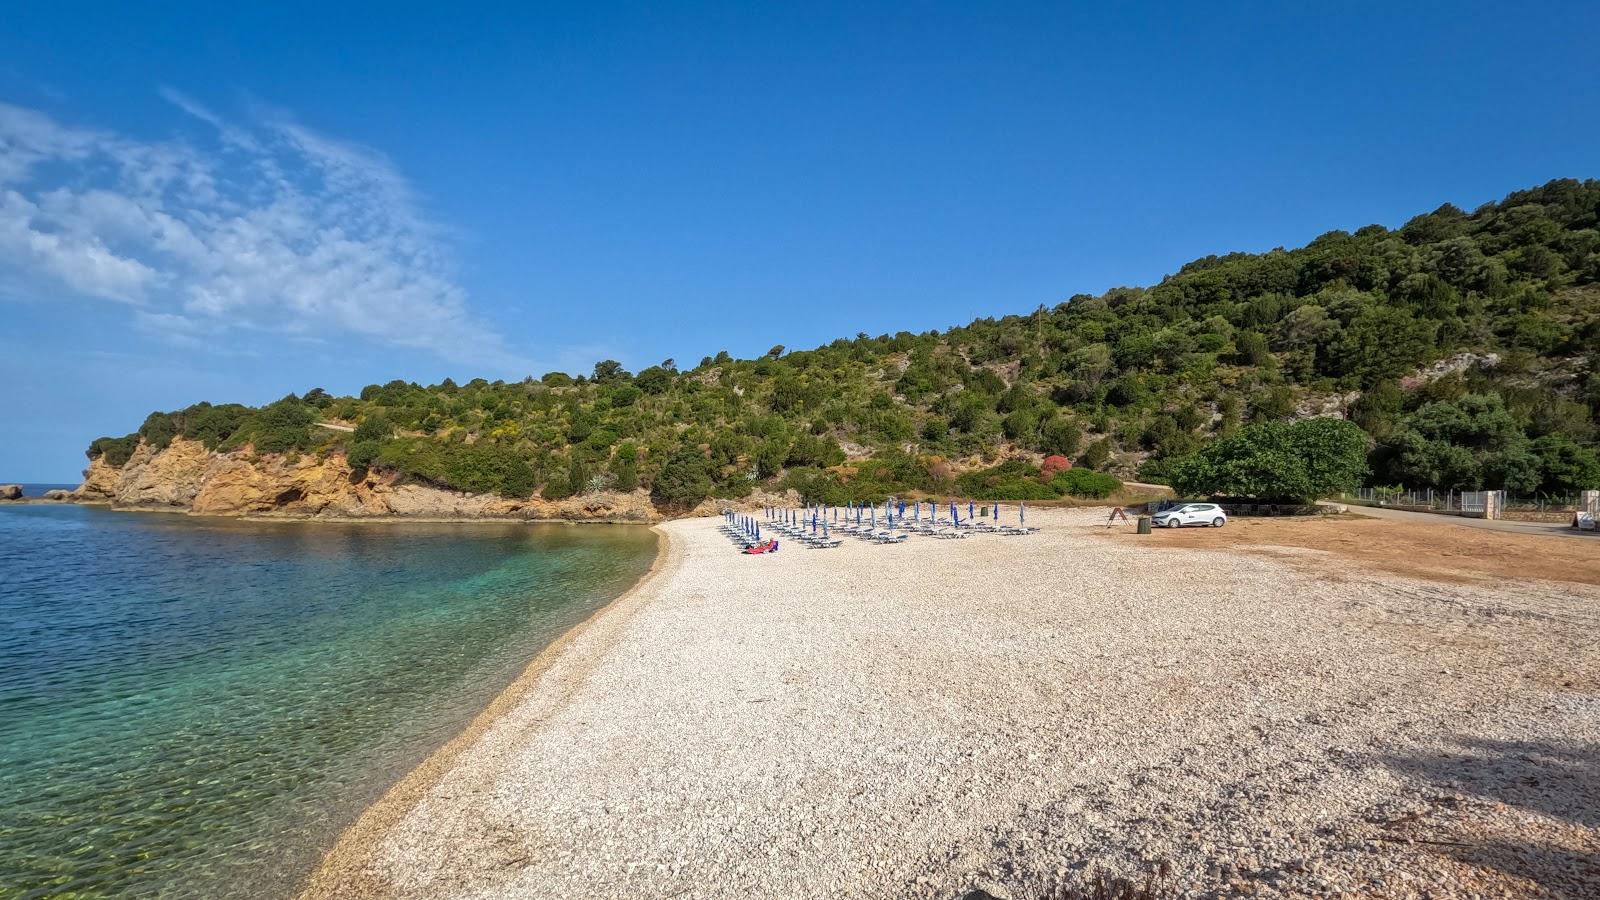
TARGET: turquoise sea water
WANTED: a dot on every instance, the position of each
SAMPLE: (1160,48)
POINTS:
(196,707)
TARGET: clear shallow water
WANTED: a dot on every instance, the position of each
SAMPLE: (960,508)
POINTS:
(197,707)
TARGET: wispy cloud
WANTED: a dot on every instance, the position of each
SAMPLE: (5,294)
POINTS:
(264,226)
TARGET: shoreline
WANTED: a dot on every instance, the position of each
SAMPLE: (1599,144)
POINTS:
(332,520)
(344,869)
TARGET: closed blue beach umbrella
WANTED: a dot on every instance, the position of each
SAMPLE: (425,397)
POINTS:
(970,513)
(1022,513)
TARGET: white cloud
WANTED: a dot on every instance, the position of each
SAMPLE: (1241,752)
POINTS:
(270,227)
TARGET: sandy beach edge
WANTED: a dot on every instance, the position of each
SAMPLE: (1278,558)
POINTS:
(343,871)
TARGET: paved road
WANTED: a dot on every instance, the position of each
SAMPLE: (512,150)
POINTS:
(1405,515)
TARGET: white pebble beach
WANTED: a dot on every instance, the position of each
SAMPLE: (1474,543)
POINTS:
(1014,714)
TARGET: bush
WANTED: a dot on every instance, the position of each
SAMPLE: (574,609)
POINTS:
(557,488)
(214,425)
(1061,436)
(684,479)
(1565,466)
(115,451)
(362,454)
(577,474)
(1011,480)
(1085,483)
(481,468)
(1298,462)
(1156,470)
(375,427)
(733,488)
(816,486)
(280,427)
(489,468)
(1097,455)
(626,467)
(158,430)
(1053,464)
(654,380)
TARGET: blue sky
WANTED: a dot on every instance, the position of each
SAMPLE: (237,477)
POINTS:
(236,201)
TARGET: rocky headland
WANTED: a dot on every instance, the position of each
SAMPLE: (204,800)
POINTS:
(187,477)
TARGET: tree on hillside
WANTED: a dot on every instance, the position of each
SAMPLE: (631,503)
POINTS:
(375,427)
(608,370)
(684,479)
(1566,467)
(1301,462)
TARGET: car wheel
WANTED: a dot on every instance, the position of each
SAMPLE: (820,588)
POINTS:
(1217,522)
(1173,522)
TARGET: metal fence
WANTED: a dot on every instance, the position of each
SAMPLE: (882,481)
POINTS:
(1427,498)
(1459,501)
(1557,503)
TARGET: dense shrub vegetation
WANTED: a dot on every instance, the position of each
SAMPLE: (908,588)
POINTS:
(1298,461)
(1465,346)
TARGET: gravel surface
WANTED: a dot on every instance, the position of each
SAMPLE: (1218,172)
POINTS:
(1015,714)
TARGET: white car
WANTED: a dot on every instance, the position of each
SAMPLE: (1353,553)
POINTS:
(1191,514)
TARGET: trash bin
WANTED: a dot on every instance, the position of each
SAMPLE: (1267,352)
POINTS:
(1144,524)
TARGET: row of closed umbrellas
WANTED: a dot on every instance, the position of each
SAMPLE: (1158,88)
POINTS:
(894,513)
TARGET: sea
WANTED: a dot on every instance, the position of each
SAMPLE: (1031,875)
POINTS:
(198,707)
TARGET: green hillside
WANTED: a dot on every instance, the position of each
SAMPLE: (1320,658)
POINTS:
(1465,345)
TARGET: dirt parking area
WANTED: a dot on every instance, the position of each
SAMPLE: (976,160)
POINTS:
(1442,552)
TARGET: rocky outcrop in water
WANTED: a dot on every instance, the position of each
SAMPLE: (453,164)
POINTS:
(187,477)
(10,492)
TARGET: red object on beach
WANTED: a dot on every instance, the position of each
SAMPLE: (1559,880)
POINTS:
(768,547)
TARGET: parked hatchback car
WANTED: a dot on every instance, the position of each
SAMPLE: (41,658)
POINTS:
(1191,514)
